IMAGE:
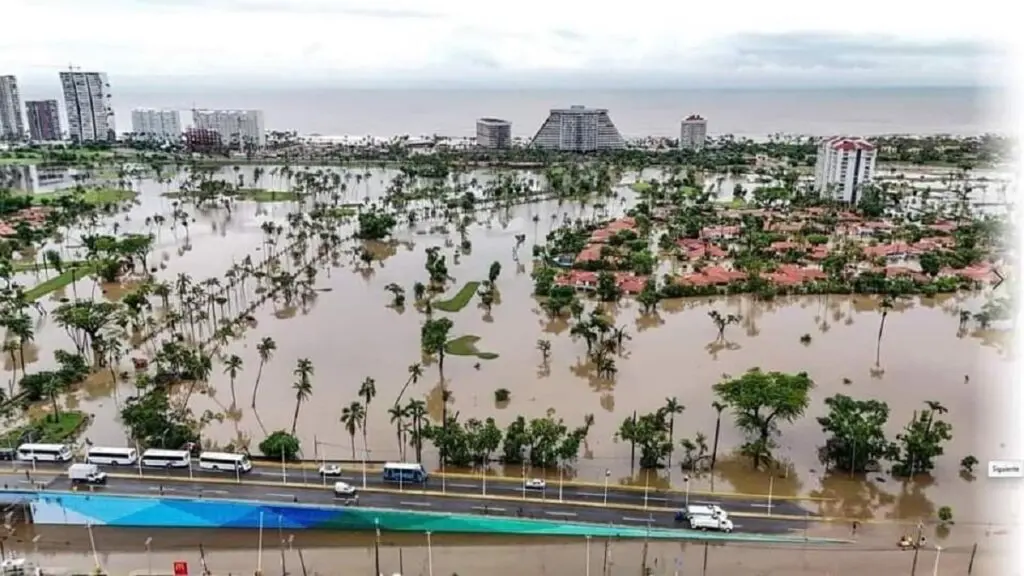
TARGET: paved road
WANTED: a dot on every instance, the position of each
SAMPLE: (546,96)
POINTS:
(252,488)
(614,496)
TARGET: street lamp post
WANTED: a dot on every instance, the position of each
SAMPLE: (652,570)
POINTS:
(938,553)
(607,474)
(588,555)
(686,482)
(149,555)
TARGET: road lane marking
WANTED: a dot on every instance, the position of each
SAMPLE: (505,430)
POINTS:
(277,495)
(557,513)
(643,520)
(763,505)
(425,504)
(594,494)
(215,491)
(450,485)
(488,508)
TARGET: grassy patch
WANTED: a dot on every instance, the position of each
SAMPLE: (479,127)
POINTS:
(46,430)
(94,196)
(39,266)
(58,282)
(460,300)
(641,186)
(466,346)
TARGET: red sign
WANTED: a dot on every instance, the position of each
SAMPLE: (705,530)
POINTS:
(181,568)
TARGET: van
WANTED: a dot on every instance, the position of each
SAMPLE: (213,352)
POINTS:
(86,474)
(701,510)
(710,523)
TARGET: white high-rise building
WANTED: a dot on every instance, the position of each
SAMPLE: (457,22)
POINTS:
(12,127)
(843,166)
(87,99)
(578,129)
(156,124)
(693,132)
(237,128)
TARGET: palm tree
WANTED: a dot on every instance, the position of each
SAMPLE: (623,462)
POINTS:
(20,327)
(417,411)
(672,407)
(231,368)
(397,414)
(545,349)
(266,349)
(367,391)
(352,417)
(719,407)
(303,387)
(884,308)
(415,372)
(52,387)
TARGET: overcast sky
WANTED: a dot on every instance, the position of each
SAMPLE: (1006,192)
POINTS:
(559,43)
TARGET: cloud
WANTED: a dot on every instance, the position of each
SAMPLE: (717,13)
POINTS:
(285,6)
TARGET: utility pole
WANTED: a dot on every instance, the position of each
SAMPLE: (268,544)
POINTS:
(917,548)
(704,570)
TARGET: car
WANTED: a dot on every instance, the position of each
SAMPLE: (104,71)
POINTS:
(330,470)
(343,489)
(535,484)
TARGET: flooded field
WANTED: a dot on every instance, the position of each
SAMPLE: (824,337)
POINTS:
(238,552)
(350,332)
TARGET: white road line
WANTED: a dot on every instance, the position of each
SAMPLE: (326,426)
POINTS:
(156,488)
(764,505)
(594,494)
(215,491)
(488,508)
(703,503)
(450,485)
(425,504)
(278,495)
(555,513)
(644,520)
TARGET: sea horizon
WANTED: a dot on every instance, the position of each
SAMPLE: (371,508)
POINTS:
(743,112)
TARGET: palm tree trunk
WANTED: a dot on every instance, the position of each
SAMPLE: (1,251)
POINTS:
(714,449)
(295,417)
(56,409)
(402,391)
(671,438)
(352,436)
(256,388)
(419,440)
(233,402)
(444,401)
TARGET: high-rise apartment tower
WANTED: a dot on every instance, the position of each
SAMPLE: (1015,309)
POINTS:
(493,133)
(693,132)
(578,129)
(11,125)
(87,99)
(843,166)
(43,120)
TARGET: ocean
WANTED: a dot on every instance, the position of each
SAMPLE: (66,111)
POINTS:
(749,113)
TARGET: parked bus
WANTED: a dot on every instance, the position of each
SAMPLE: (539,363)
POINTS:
(157,458)
(44,452)
(111,456)
(405,472)
(225,461)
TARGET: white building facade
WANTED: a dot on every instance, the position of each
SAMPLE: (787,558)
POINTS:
(578,129)
(693,132)
(87,99)
(237,128)
(843,166)
(493,133)
(157,124)
(12,127)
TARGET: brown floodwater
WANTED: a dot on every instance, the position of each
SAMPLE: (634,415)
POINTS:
(350,332)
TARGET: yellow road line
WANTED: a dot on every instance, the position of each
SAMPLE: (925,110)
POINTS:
(571,484)
(464,496)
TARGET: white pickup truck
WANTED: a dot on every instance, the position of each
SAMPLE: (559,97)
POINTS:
(711,510)
(700,522)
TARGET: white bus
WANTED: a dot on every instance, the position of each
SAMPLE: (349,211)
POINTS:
(405,472)
(111,456)
(225,461)
(157,458)
(44,452)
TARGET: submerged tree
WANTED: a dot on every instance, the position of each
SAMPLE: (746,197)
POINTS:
(855,434)
(921,441)
(760,400)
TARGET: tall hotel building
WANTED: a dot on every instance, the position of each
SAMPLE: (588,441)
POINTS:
(156,124)
(493,133)
(43,120)
(87,99)
(578,129)
(11,125)
(693,132)
(237,128)
(843,166)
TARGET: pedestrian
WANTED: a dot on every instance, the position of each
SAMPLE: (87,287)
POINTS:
(855,526)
